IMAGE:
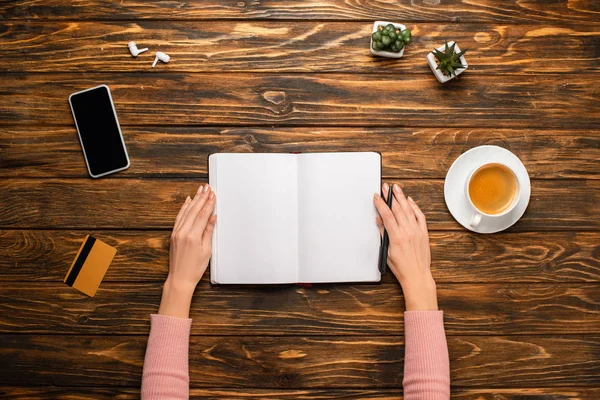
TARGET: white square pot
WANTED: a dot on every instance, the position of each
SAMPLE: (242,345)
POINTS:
(382,53)
(433,64)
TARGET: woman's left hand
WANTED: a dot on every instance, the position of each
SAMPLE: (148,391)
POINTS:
(191,248)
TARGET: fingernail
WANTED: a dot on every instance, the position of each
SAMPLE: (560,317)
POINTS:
(212,194)
(397,188)
(410,199)
(385,187)
(206,188)
(187,200)
(200,189)
(377,196)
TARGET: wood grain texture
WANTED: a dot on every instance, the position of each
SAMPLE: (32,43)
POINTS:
(512,11)
(350,310)
(74,393)
(153,204)
(271,46)
(522,308)
(301,362)
(164,98)
(459,257)
(406,153)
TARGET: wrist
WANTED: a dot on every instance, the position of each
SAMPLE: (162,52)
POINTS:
(420,295)
(176,298)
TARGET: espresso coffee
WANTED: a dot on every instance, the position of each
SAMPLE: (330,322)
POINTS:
(493,189)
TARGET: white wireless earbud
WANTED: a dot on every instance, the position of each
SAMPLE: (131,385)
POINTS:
(162,57)
(134,50)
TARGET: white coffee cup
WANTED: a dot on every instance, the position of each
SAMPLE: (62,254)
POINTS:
(478,214)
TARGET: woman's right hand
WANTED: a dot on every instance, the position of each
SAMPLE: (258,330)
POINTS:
(409,255)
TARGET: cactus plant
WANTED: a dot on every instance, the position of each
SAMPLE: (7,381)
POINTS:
(449,61)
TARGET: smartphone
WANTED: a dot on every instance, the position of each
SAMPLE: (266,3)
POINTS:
(99,131)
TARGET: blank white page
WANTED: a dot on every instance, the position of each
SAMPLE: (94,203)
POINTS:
(256,235)
(338,236)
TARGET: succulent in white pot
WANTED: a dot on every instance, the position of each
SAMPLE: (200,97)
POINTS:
(447,62)
(388,39)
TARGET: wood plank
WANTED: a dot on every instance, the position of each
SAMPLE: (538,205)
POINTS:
(72,393)
(55,152)
(163,98)
(511,11)
(364,310)
(153,204)
(301,362)
(462,257)
(275,46)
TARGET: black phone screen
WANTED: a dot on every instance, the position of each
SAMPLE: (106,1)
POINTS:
(99,131)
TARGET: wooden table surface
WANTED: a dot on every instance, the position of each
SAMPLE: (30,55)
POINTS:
(522,308)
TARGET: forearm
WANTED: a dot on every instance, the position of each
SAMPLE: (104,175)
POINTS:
(176,299)
(166,369)
(426,361)
(420,293)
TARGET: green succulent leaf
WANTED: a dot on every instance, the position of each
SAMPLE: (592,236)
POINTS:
(450,50)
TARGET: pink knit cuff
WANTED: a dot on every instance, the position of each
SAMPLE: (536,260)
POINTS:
(166,370)
(417,320)
(171,326)
(426,361)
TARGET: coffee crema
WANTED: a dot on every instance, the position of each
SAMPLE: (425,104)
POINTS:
(493,188)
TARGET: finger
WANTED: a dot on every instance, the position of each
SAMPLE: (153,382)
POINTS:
(405,208)
(385,189)
(207,236)
(187,210)
(195,207)
(389,221)
(181,213)
(396,209)
(419,215)
(204,214)
(379,222)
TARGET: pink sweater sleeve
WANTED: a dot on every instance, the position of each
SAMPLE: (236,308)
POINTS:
(166,369)
(426,361)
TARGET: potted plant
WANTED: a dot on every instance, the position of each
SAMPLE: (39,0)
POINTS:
(447,62)
(388,39)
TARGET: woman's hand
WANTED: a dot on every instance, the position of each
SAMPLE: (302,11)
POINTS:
(191,248)
(409,256)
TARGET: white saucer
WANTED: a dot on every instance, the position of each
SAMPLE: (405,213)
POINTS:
(454,188)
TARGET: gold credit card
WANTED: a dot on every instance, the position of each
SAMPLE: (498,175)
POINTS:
(90,265)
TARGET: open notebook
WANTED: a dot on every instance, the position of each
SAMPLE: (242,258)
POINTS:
(287,218)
